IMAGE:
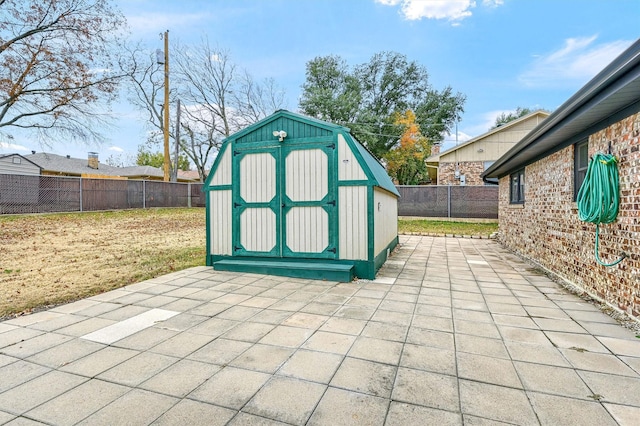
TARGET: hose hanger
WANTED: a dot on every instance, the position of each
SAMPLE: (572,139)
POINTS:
(599,196)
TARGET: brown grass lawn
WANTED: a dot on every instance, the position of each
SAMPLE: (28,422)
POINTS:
(51,259)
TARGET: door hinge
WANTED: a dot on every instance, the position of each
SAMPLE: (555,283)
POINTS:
(333,203)
(332,146)
(236,205)
(236,248)
(332,250)
(236,153)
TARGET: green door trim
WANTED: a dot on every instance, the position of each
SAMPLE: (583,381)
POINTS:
(239,205)
(329,202)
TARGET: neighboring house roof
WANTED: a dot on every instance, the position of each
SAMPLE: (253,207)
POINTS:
(503,128)
(68,165)
(21,156)
(80,166)
(140,171)
(189,175)
(610,96)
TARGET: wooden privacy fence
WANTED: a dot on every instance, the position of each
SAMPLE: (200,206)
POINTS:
(40,194)
(448,201)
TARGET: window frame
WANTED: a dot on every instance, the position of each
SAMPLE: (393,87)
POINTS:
(579,170)
(517,196)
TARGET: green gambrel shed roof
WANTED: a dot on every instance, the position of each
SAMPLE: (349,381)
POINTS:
(299,126)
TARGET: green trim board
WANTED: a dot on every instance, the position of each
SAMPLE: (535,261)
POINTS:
(353,182)
(329,271)
(218,187)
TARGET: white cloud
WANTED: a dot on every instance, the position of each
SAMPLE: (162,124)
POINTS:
(6,146)
(577,61)
(115,148)
(452,10)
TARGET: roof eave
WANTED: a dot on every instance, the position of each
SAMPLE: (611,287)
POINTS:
(623,72)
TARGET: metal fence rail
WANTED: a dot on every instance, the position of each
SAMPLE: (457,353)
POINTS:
(448,201)
(42,194)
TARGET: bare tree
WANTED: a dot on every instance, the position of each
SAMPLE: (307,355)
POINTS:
(57,62)
(218,98)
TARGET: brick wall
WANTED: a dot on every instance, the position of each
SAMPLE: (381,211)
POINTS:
(547,229)
(470,169)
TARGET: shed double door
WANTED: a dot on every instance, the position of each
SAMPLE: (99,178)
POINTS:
(284,201)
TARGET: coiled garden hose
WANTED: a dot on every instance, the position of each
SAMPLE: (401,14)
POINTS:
(599,196)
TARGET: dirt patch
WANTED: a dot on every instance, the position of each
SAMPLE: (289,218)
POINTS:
(51,259)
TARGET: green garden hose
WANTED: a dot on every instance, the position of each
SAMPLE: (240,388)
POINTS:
(599,196)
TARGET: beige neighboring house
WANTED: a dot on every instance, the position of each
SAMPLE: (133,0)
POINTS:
(464,163)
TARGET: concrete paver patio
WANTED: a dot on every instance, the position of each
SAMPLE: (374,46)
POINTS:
(453,331)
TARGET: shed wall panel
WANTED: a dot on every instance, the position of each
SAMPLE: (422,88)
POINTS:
(258,229)
(222,174)
(385,217)
(220,223)
(348,166)
(352,227)
(307,175)
(258,178)
(307,229)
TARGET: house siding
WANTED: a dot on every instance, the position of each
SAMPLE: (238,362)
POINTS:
(547,229)
(21,166)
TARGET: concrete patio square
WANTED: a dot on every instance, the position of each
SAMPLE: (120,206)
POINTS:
(452,331)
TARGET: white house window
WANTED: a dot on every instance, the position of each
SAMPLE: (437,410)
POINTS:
(580,165)
(517,187)
(17,160)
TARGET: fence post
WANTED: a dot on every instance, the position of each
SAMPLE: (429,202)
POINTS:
(80,193)
(144,194)
(189,194)
(449,200)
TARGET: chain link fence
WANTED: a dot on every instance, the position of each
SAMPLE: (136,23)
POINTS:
(448,201)
(42,194)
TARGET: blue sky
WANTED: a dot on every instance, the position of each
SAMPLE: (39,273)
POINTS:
(500,53)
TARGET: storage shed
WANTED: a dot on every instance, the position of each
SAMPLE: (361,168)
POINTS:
(295,196)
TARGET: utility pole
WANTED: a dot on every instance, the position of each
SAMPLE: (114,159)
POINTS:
(166,106)
(176,154)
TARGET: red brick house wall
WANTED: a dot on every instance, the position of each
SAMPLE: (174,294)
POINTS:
(546,227)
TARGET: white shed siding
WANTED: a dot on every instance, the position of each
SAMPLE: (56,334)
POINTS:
(307,175)
(352,227)
(307,229)
(348,166)
(220,222)
(385,217)
(222,175)
(258,178)
(16,165)
(258,229)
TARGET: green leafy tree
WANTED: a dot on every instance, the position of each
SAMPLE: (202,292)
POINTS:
(505,117)
(156,159)
(406,161)
(367,98)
